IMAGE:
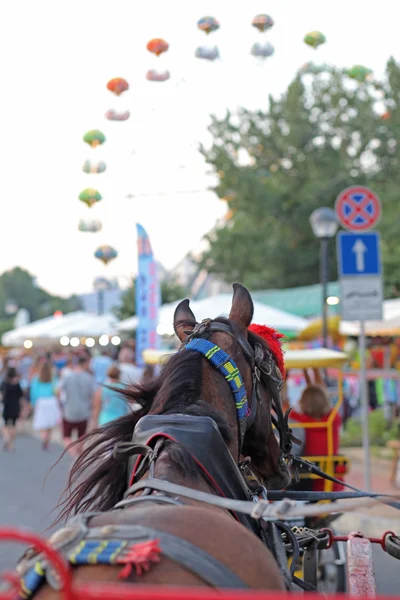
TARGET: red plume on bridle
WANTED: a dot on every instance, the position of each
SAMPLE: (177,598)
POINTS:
(273,339)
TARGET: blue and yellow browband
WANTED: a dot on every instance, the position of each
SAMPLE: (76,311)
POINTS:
(227,366)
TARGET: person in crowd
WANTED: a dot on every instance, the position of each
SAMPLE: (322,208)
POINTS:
(46,409)
(100,366)
(77,390)
(24,367)
(108,403)
(11,395)
(130,372)
(315,407)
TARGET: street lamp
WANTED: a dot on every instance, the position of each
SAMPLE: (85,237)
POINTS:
(324,224)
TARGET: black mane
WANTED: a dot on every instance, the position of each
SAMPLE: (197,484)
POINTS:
(97,480)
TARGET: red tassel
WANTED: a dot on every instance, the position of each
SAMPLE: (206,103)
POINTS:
(273,339)
(141,556)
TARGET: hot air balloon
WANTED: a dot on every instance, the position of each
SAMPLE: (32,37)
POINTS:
(94,138)
(262,22)
(90,225)
(90,196)
(359,73)
(113,115)
(262,50)
(208,24)
(106,254)
(154,75)
(118,85)
(157,46)
(94,167)
(314,39)
(208,53)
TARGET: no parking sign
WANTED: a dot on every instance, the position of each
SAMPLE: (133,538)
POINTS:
(358,208)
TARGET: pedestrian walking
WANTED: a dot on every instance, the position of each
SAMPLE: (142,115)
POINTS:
(12,395)
(77,389)
(130,372)
(100,366)
(46,408)
(109,404)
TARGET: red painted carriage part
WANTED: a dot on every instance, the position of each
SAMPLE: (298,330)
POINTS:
(57,561)
(360,567)
(123,591)
(344,538)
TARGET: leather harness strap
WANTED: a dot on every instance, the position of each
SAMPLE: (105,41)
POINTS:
(189,556)
(263,366)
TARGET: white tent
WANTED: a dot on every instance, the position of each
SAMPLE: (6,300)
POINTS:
(51,329)
(220,306)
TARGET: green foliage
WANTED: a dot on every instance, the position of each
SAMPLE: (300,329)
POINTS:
(324,134)
(380,431)
(170,291)
(20,286)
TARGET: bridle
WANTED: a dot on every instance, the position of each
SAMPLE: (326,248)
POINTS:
(263,368)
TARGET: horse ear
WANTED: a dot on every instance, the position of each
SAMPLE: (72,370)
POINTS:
(242,307)
(184,319)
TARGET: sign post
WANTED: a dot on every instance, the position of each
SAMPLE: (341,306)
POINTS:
(358,209)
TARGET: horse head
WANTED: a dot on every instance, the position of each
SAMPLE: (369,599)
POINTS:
(241,380)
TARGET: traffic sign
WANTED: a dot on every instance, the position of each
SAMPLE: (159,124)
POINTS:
(358,254)
(358,208)
(361,298)
(360,274)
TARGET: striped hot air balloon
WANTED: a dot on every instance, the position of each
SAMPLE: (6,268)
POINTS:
(94,138)
(207,53)
(94,167)
(90,225)
(106,254)
(208,24)
(118,85)
(90,196)
(262,22)
(262,50)
(157,46)
(113,115)
(154,75)
(359,73)
(314,39)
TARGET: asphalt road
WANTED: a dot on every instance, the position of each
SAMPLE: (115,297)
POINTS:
(27,501)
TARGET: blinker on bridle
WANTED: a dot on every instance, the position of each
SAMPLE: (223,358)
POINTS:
(263,368)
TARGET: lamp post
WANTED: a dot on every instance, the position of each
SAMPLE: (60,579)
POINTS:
(324,224)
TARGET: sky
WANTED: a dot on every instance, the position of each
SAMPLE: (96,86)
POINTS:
(57,57)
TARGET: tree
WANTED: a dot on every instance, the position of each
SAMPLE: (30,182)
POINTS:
(325,133)
(20,286)
(170,291)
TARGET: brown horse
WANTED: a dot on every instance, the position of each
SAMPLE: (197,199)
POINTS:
(200,544)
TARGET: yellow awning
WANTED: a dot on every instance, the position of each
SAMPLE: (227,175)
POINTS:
(318,358)
(294,359)
(155,357)
(314,329)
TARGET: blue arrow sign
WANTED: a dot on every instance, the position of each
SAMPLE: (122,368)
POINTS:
(358,254)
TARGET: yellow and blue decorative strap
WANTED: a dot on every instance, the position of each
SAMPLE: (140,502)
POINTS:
(227,366)
(87,552)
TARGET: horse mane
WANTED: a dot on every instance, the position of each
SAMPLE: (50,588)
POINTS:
(97,480)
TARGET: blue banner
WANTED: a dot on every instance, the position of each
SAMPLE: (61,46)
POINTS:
(148,297)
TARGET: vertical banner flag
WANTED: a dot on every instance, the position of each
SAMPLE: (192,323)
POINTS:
(148,297)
